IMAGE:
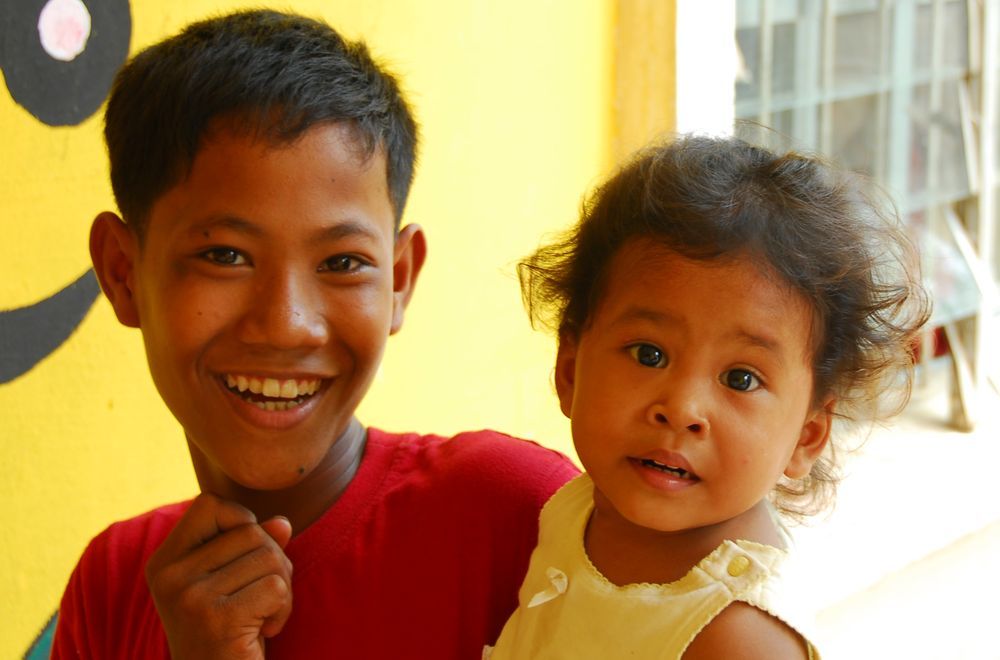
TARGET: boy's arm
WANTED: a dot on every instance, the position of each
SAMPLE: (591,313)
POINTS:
(221,582)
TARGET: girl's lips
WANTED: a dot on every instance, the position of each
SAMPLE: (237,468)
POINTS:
(666,459)
(664,471)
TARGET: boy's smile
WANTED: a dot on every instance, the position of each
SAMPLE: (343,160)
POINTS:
(690,390)
(266,286)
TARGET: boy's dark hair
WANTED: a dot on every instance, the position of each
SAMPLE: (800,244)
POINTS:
(276,75)
(710,198)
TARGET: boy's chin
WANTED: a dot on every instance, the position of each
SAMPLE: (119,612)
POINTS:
(274,479)
(229,479)
(269,485)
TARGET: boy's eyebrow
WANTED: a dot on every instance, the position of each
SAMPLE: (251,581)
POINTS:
(230,222)
(345,229)
(332,233)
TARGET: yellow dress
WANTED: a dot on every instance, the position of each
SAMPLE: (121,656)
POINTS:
(567,609)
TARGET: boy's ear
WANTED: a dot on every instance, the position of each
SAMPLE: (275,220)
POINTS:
(565,374)
(114,249)
(812,440)
(410,252)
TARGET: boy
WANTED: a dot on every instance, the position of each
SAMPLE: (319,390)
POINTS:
(261,165)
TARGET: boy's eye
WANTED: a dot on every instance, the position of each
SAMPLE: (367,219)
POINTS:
(225,256)
(740,379)
(648,355)
(342,263)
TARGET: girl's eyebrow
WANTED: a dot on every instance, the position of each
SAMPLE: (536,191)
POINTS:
(639,313)
(772,345)
(636,313)
(754,339)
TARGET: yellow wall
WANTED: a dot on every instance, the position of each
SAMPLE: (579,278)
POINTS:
(514,101)
(645,80)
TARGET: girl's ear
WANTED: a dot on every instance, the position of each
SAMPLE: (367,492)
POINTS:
(565,374)
(114,250)
(812,440)
(408,258)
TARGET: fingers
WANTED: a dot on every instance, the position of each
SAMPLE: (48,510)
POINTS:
(279,529)
(207,517)
(269,600)
(233,559)
(228,559)
(220,580)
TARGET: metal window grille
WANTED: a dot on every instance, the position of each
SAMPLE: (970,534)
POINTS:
(904,91)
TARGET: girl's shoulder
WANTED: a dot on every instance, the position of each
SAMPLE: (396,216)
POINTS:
(744,631)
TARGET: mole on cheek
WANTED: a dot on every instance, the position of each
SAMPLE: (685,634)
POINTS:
(302,470)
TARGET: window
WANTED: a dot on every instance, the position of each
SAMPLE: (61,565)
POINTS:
(894,89)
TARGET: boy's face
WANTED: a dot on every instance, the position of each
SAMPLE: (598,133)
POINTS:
(266,287)
(690,392)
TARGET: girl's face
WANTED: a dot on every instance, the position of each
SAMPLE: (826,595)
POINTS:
(690,391)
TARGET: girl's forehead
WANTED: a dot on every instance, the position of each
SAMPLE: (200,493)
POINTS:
(650,280)
(648,260)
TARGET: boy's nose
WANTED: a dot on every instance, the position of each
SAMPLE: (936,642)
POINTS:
(285,313)
(683,406)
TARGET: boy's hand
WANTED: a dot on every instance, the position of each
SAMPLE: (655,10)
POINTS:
(221,582)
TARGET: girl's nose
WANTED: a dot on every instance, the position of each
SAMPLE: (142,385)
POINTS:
(680,407)
(286,312)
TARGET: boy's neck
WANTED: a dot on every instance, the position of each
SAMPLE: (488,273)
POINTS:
(306,501)
(626,553)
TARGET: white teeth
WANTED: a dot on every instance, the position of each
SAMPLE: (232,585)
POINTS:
(276,405)
(684,474)
(273,388)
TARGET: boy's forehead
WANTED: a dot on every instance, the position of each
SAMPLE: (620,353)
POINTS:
(236,162)
(272,131)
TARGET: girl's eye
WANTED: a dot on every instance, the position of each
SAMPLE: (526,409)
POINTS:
(342,263)
(741,380)
(225,256)
(648,355)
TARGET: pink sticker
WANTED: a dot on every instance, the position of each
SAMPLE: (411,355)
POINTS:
(63,28)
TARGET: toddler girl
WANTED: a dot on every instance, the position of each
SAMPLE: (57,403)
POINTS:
(718,307)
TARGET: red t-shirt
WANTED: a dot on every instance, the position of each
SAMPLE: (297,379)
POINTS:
(421,557)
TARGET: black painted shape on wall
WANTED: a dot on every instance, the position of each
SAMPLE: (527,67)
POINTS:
(62,93)
(29,334)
